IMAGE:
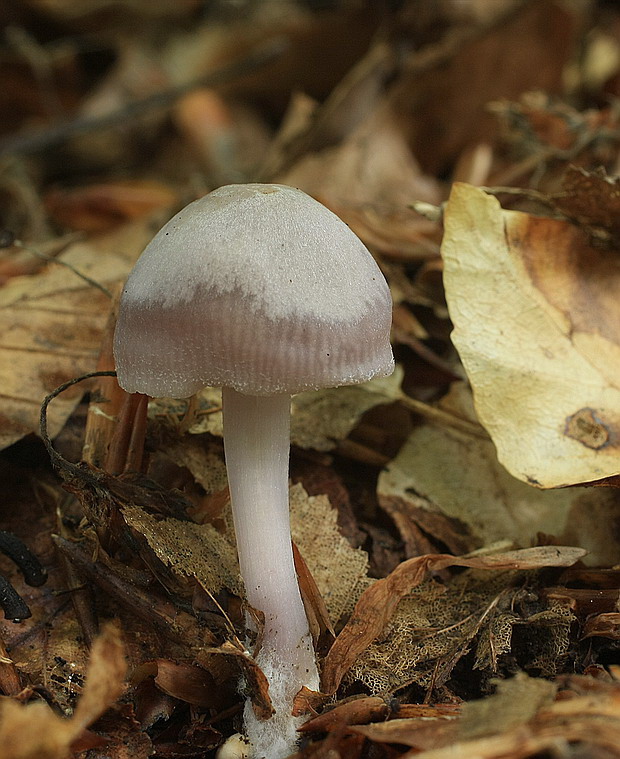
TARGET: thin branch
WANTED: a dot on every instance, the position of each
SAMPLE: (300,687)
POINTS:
(56,135)
(60,262)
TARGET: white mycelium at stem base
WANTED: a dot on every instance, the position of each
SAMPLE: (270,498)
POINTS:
(257,442)
(263,291)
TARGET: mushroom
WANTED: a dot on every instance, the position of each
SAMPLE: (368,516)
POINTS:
(262,290)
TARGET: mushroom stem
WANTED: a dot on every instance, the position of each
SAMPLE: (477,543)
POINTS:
(257,443)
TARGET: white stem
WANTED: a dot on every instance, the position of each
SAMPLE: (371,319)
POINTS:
(256,443)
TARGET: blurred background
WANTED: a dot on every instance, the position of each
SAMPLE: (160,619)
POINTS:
(109,109)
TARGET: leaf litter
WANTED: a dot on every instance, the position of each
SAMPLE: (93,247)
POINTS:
(443,567)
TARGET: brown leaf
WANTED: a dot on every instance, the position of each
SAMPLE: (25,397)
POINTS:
(321,627)
(355,712)
(377,604)
(188,683)
(370,180)
(34,731)
(603,626)
(443,100)
(591,197)
(100,207)
(257,683)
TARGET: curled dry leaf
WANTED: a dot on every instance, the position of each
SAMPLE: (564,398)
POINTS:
(34,731)
(378,603)
(256,681)
(537,325)
(193,685)
(359,710)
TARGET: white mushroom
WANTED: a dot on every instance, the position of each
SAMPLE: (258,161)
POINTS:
(262,290)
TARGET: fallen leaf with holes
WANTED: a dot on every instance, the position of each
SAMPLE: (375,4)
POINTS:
(201,552)
(51,325)
(435,626)
(340,572)
(536,321)
(189,549)
(378,603)
(450,486)
(34,731)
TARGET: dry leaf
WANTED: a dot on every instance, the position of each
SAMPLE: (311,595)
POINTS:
(188,683)
(99,207)
(441,473)
(340,572)
(444,106)
(359,710)
(592,198)
(516,702)
(370,180)
(51,325)
(585,717)
(537,325)
(319,419)
(191,550)
(34,731)
(377,604)
(435,625)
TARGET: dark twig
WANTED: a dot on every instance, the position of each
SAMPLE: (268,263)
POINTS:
(66,264)
(13,605)
(30,566)
(58,461)
(56,135)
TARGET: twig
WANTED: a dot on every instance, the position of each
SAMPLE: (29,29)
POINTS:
(56,135)
(439,416)
(11,546)
(60,262)
(58,461)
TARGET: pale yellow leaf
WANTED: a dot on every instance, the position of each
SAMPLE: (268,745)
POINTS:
(536,319)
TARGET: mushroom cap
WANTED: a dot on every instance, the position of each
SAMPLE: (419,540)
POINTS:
(257,287)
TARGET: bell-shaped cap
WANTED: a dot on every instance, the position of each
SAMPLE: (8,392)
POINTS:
(257,287)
